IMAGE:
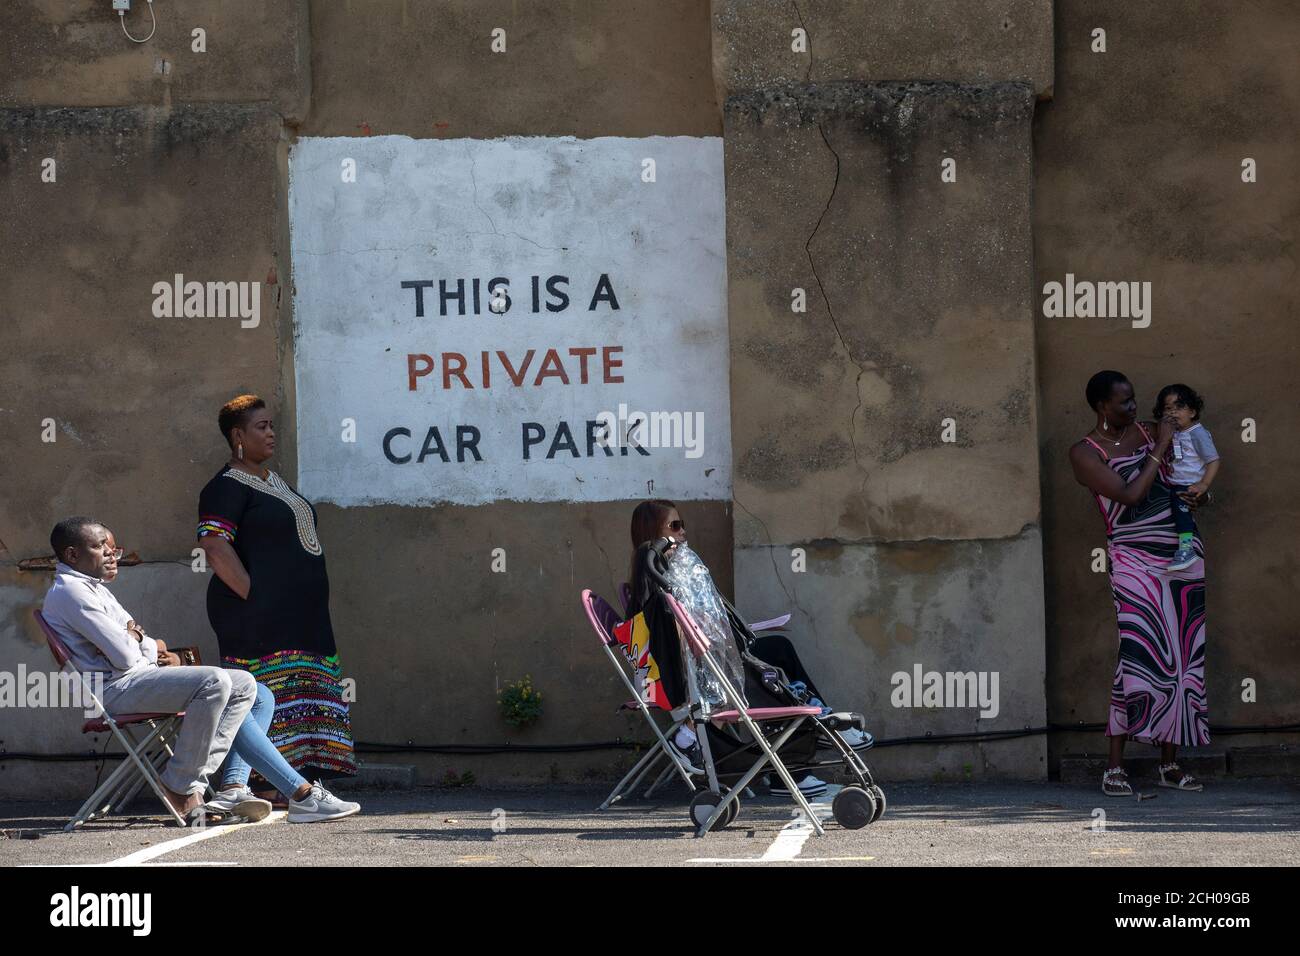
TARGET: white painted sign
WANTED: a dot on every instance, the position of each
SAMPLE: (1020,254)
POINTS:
(536,319)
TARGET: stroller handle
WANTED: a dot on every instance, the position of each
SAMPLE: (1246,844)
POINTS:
(654,562)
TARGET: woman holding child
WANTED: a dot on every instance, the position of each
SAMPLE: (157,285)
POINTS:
(1158,695)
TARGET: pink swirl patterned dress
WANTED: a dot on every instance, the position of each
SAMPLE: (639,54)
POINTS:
(1159,690)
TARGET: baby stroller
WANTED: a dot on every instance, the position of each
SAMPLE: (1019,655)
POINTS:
(748,717)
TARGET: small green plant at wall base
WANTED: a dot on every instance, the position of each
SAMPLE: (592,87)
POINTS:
(520,703)
(451,779)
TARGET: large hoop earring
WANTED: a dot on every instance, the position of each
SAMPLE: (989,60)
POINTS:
(240,451)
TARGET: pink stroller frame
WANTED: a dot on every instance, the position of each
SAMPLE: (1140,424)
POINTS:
(603,619)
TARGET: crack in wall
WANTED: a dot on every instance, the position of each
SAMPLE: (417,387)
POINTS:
(771,549)
(523,238)
(792,600)
(857,382)
(473,179)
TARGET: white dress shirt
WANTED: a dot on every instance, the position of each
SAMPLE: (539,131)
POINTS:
(84,612)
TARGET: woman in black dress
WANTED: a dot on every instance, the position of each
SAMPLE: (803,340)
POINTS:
(268,599)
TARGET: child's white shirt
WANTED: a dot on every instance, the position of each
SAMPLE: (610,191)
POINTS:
(1191,451)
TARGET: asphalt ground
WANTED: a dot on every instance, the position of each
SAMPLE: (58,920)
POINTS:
(1231,823)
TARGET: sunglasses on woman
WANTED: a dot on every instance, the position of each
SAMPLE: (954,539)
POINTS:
(677,525)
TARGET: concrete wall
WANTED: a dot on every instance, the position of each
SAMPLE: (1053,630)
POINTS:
(192,178)
(957,41)
(140,194)
(1138,177)
(921,306)
(919,551)
(571,68)
(73,53)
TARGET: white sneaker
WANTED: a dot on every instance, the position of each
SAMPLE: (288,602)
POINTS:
(689,757)
(242,803)
(809,786)
(320,805)
(853,738)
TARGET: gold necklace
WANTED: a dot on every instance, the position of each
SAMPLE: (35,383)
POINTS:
(1115,443)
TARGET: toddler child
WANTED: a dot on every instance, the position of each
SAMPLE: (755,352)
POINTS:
(1194,462)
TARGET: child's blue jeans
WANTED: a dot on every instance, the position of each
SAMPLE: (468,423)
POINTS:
(1183,520)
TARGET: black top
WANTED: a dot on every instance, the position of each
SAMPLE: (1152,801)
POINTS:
(273,530)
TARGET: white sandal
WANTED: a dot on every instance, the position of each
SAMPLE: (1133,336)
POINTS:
(1185,780)
(1114,783)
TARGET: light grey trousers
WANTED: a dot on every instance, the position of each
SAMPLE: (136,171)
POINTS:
(215,701)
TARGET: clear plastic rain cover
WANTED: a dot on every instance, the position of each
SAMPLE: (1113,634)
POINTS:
(693,588)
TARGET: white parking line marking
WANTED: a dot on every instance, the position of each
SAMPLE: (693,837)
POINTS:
(789,842)
(794,834)
(158,849)
(802,859)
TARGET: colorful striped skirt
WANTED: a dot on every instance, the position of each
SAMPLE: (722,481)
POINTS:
(311,728)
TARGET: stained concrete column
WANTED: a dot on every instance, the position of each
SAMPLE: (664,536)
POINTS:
(123,165)
(883,375)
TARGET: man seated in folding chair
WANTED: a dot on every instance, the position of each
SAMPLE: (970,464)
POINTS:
(141,676)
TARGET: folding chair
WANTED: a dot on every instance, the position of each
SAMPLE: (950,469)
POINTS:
(603,619)
(772,624)
(708,807)
(145,754)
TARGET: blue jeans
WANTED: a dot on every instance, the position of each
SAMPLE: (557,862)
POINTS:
(1183,520)
(252,750)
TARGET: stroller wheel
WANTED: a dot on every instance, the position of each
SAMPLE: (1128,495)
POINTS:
(703,805)
(854,808)
(733,811)
(879,795)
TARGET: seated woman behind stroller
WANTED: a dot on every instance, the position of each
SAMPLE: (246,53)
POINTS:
(659,518)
